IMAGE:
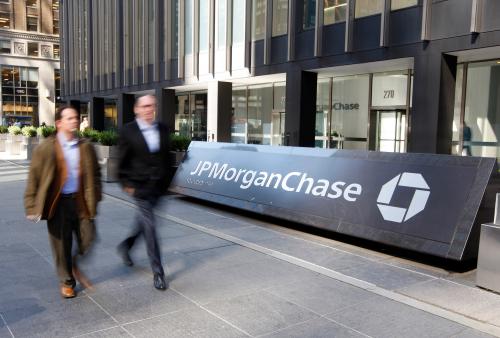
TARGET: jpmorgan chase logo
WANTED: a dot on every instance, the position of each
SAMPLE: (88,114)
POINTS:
(418,201)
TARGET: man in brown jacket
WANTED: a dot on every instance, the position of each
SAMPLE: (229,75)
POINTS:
(64,187)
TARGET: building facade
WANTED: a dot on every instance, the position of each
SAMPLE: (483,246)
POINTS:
(29,61)
(384,75)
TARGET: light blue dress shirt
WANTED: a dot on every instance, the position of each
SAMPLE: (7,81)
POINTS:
(72,157)
(151,135)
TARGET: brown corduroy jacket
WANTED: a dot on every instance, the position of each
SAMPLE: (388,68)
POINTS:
(48,173)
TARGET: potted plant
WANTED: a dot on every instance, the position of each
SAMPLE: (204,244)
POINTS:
(179,144)
(107,153)
(30,141)
(45,131)
(4,132)
(14,140)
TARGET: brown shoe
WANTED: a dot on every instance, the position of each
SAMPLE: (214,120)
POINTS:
(67,291)
(80,277)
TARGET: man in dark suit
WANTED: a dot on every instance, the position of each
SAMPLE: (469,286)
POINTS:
(143,172)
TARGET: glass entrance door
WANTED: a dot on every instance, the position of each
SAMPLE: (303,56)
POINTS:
(388,130)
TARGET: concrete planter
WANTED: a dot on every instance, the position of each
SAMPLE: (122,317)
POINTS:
(108,160)
(14,145)
(179,156)
(29,144)
(3,139)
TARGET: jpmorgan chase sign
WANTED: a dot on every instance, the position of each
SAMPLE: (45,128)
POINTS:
(422,202)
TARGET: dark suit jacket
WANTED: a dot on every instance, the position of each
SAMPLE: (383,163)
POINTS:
(148,173)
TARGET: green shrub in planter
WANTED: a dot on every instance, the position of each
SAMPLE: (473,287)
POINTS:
(15,130)
(29,131)
(4,130)
(108,138)
(46,131)
(91,134)
(179,142)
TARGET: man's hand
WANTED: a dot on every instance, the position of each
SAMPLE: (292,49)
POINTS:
(129,190)
(34,218)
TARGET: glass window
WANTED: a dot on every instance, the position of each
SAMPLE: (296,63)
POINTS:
(239,116)
(152,32)
(334,11)
(322,113)
(481,125)
(56,51)
(110,114)
(19,95)
(182,120)
(55,17)
(204,27)
(5,46)
(349,119)
(456,149)
(239,19)
(4,20)
(389,89)
(32,48)
(397,4)
(280,17)
(309,16)
(188,27)
(259,19)
(32,15)
(260,106)
(221,23)
(368,7)
(175,29)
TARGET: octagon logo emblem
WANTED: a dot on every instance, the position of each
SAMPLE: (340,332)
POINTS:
(418,201)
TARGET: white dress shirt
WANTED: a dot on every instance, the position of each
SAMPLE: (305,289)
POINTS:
(151,134)
(72,157)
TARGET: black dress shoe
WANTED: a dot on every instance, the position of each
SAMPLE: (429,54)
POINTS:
(123,252)
(159,282)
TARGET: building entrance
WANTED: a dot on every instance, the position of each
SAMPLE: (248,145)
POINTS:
(191,115)
(388,129)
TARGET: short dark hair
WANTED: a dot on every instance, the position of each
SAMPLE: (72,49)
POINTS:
(59,111)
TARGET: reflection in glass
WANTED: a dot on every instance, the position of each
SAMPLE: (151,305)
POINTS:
(368,7)
(188,27)
(322,113)
(455,148)
(5,46)
(110,114)
(239,116)
(334,11)
(309,17)
(280,17)
(258,19)
(397,4)
(239,9)
(19,95)
(182,126)
(221,23)
(204,29)
(482,109)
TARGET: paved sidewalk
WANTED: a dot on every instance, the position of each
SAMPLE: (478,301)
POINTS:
(230,276)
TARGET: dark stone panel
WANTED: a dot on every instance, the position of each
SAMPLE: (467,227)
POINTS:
(405,26)
(258,53)
(304,45)
(334,39)
(151,76)
(174,69)
(457,22)
(279,49)
(489,15)
(140,75)
(300,108)
(366,32)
